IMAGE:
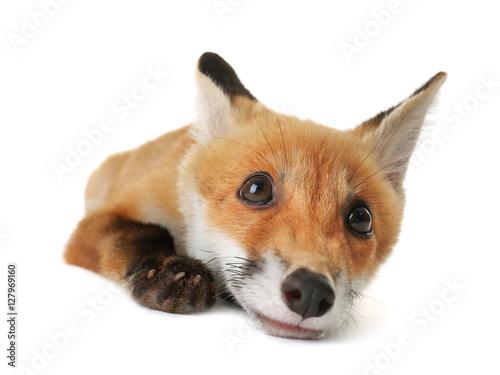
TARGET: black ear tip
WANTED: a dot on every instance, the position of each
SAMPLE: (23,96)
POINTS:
(209,54)
(209,58)
(222,74)
(210,62)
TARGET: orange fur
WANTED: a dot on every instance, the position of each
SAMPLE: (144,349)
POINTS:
(315,169)
(292,152)
(191,177)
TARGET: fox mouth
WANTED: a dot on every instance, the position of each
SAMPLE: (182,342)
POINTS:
(283,329)
(276,327)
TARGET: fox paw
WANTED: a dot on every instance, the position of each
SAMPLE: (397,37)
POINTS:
(177,284)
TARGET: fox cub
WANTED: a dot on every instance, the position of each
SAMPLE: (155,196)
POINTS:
(287,217)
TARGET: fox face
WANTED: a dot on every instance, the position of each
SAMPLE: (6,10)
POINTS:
(292,216)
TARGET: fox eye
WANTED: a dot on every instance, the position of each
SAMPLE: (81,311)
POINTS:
(257,189)
(359,220)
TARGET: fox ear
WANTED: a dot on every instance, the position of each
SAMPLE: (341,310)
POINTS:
(393,134)
(218,90)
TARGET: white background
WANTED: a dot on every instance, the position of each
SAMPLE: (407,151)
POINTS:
(66,66)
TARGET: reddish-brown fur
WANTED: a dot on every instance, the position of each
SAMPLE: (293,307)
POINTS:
(318,173)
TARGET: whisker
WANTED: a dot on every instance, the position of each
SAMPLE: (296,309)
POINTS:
(269,146)
(283,143)
(376,172)
(368,154)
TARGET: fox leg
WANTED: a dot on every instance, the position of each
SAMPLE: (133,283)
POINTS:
(142,256)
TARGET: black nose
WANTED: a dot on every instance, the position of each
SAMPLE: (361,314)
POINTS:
(307,293)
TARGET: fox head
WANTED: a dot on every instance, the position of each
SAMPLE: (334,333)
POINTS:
(292,216)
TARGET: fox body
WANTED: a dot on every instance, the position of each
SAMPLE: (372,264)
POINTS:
(288,217)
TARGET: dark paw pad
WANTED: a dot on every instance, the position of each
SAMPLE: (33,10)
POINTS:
(176,284)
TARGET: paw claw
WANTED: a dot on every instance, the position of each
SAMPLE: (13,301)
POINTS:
(179,276)
(179,285)
(196,280)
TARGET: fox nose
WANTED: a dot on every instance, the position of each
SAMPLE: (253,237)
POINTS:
(307,293)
